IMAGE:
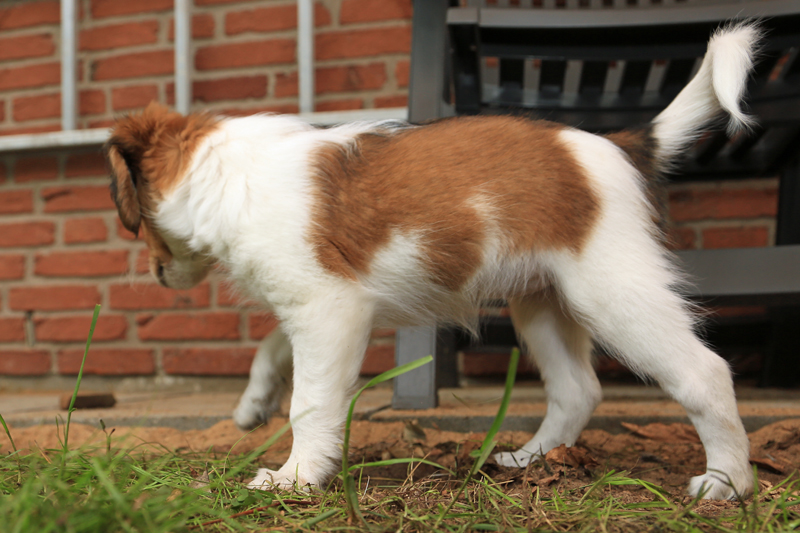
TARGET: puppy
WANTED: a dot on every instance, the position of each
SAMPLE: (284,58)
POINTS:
(368,225)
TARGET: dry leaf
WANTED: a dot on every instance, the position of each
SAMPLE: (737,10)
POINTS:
(766,462)
(574,456)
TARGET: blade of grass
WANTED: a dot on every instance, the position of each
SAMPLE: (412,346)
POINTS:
(350,494)
(489,442)
(8,432)
(80,376)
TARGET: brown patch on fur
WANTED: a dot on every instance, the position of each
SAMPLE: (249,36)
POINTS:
(640,147)
(444,180)
(148,154)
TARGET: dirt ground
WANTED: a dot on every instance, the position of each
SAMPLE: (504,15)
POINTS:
(666,455)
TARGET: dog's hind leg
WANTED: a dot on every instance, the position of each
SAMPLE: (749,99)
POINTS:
(561,348)
(270,376)
(620,286)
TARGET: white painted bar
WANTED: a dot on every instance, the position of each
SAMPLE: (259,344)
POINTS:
(96,137)
(69,65)
(183,32)
(305,54)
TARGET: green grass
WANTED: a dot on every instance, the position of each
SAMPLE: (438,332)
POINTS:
(109,489)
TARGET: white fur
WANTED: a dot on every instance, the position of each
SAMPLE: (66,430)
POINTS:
(246,203)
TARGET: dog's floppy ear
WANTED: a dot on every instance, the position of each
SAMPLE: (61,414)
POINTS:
(123,189)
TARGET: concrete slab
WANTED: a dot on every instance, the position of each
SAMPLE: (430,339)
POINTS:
(464,409)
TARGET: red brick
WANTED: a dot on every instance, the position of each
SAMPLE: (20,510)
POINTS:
(132,97)
(259,325)
(16,202)
(115,8)
(249,54)
(92,102)
(35,169)
(119,35)
(202,27)
(350,78)
(134,65)
(238,88)
(12,266)
(353,11)
(26,14)
(383,333)
(31,129)
(12,329)
(103,123)
(24,362)
(402,73)
(153,296)
(400,100)
(82,230)
(267,19)
(83,263)
(340,105)
(76,328)
(722,203)
(286,85)
(88,198)
(379,358)
(216,2)
(735,237)
(492,364)
(25,46)
(27,234)
(142,261)
(197,326)
(30,76)
(682,239)
(36,107)
(277,109)
(108,362)
(85,165)
(54,298)
(208,362)
(362,43)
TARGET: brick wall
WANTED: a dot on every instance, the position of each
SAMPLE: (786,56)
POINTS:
(62,248)
(244,57)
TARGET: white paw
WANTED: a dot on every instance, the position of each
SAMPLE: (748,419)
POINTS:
(518,459)
(250,414)
(718,486)
(270,479)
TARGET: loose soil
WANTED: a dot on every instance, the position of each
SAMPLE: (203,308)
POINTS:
(664,454)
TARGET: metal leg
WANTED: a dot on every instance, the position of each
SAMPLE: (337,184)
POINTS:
(417,389)
(428,51)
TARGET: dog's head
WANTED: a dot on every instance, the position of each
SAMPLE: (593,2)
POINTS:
(149,154)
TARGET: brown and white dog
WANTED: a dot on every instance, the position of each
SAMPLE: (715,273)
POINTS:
(344,229)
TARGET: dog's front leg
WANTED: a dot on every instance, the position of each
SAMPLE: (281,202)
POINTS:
(329,338)
(270,375)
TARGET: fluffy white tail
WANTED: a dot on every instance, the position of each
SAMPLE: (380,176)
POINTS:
(718,85)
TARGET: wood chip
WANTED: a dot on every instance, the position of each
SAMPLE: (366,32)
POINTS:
(664,432)
(86,400)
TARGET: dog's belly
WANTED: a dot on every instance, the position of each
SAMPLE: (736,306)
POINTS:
(408,295)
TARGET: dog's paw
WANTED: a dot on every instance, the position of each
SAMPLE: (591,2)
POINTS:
(718,486)
(270,479)
(250,414)
(517,459)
